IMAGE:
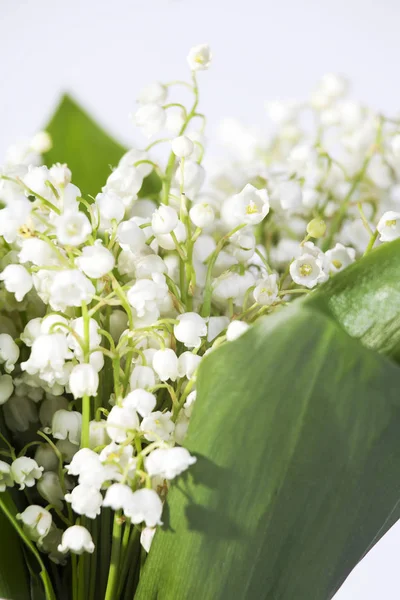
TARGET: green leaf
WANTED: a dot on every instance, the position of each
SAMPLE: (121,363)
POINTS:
(365,299)
(296,434)
(13,575)
(78,141)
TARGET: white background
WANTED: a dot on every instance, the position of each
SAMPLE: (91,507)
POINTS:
(105,50)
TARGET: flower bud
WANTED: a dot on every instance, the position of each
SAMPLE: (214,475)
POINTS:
(121,422)
(49,487)
(6,388)
(316,228)
(6,479)
(17,280)
(182,146)
(72,228)
(9,352)
(202,215)
(164,220)
(190,329)
(96,261)
(142,401)
(41,142)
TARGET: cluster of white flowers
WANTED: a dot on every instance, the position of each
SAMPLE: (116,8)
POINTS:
(108,307)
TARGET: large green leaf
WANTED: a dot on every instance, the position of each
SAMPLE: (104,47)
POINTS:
(87,149)
(78,141)
(365,299)
(296,430)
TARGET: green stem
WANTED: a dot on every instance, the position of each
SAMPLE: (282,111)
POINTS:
(112,581)
(85,421)
(371,242)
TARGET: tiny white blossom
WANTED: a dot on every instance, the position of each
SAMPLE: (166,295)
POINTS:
(199,57)
(307,270)
(340,257)
(142,377)
(66,424)
(165,364)
(182,146)
(389,226)
(6,479)
(121,422)
(164,220)
(41,142)
(154,93)
(25,471)
(9,352)
(142,401)
(145,506)
(70,288)
(38,252)
(157,426)
(85,500)
(168,462)
(147,295)
(111,208)
(190,329)
(266,290)
(60,174)
(251,205)
(72,228)
(17,280)
(130,234)
(83,381)
(96,261)
(150,118)
(37,521)
(76,539)
(202,215)
(118,496)
(187,364)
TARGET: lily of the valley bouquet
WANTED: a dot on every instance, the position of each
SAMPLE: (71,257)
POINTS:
(130,307)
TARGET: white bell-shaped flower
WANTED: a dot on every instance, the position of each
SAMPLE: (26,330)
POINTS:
(182,146)
(389,226)
(130,235)
(164,220)
(188,364)
(31,331)
(70,288)
(142,377)
(126,181)
(145,506)
(250,206)
(340,257)
(97,434)
(154,93)
(202,215)
(76,539)
(37,521)
(96,261)
(83,381)
(165,364)
(307,270)
(9,352)
(72,228)
(142,401)
(266,290)
(158,426)
(199,57)
(6,479)
(121,422)
(150,118)
(25,471)
(66,425)
(37,252)
(111,208)
(168,462)
(190,329)
(85,500)
(118,496)
(17,280)
(60,174)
